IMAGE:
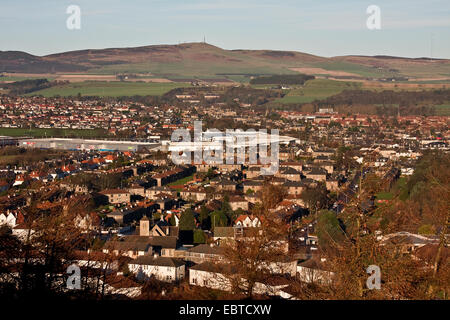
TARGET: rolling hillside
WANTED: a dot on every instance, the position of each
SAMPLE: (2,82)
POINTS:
(17,61)
(193,60)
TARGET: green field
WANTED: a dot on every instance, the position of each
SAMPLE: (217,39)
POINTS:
(110,89)
(443,110)
(181,181)
(361,70)
(317,89)
(53,132)
(198,69)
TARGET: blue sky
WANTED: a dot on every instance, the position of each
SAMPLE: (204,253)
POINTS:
(322,27)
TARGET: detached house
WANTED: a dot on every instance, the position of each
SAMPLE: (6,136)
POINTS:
(38,175)
(162,268)
(69,169)
(247,221)
(20,180)
(116,196)
(8,219)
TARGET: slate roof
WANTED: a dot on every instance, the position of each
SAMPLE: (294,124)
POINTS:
(127,245)
(214,267)
(206,249)
(316,170)
(294,184)
(252,183)
(157,261)
(288,170)
(168,242)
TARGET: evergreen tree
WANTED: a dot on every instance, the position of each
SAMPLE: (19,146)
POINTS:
(187,220)
(218,219)
(204,218)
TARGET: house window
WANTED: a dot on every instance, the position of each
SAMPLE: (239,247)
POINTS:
(194,280)
(205,282)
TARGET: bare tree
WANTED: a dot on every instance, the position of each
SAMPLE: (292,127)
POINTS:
(259,252)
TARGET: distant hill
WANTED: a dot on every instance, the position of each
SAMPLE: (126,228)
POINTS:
(190,60)
(17,61)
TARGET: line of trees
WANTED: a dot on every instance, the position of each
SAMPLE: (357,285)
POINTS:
(281,79)
(27,86)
